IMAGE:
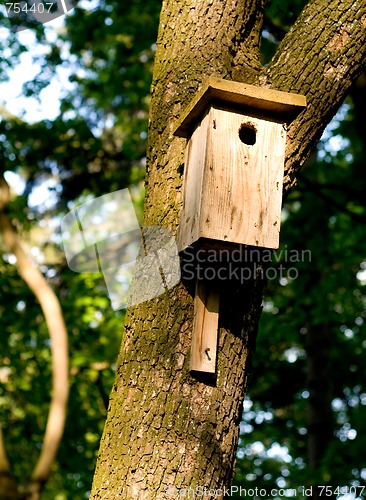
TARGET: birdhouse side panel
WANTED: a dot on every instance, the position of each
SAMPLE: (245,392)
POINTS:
(194,167)
(242,184)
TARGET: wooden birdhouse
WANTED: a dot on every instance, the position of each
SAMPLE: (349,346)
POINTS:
(233,177)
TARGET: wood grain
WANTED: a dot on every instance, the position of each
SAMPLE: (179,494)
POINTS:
(233,191)
(283,106)
(205,327)
(193,186)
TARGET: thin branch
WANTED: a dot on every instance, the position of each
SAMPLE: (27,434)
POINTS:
(99,367)
(317,189)
(350,194)
(58,335)
(104,395)
(4,462)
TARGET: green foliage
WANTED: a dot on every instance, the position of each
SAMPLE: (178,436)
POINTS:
(284,14)
(97,145)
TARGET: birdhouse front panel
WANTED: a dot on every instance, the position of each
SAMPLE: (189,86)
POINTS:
(233,180)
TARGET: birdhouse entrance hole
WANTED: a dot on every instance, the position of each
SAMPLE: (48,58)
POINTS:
(248,134)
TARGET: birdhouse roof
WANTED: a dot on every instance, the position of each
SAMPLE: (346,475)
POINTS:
(274,104)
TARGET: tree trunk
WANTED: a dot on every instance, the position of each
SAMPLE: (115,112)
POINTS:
(167,430)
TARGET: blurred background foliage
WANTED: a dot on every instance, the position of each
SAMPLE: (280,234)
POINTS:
(304,417)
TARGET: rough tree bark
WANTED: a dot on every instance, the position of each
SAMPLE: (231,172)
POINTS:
(166,428)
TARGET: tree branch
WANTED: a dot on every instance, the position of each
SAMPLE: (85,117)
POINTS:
(320,57)
(58,335)
(4,462)
(8,486)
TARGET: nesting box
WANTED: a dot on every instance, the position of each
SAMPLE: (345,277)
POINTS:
(232,190)
(234,163)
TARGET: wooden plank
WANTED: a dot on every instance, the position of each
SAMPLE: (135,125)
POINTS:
(233,190)
(194,170)
(282,106)
(205,327)
(242,189)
